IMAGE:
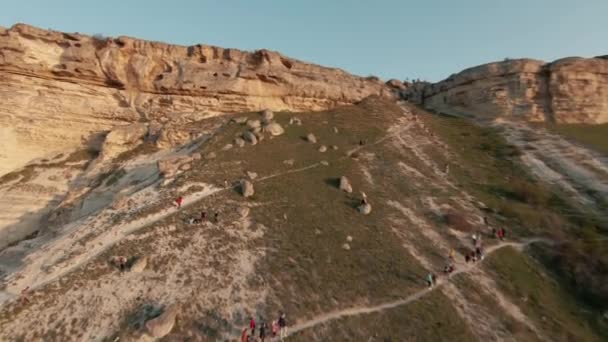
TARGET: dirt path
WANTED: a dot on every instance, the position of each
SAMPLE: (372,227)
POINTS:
(325,318)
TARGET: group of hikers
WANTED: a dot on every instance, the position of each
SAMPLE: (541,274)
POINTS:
(470,256)
(277,327)
(203,216)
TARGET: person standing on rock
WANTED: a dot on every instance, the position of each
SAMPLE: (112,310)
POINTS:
(178,202)
(501,233)
(282,326)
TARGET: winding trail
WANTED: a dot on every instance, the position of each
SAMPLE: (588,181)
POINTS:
(332,316)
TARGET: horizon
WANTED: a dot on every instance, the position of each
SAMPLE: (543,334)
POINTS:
(360,39)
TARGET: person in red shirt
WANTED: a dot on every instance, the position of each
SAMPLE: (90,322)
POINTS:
(252,325)
(179,201)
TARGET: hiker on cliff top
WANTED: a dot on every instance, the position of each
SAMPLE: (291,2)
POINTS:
(178,202)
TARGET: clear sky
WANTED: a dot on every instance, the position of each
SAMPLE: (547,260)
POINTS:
(391,39)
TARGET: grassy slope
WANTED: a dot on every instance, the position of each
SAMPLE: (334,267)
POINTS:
(486,168)
(593,136)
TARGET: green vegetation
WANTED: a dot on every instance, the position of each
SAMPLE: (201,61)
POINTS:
(593,136)
(551,308)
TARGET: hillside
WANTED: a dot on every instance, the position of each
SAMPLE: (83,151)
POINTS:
(299,244)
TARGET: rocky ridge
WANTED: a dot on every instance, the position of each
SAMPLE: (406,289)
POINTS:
(61,89)
(569,90)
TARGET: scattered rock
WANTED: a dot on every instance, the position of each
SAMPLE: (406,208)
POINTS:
(160,326)
(167,181)
(345,185)
(250,137)
(322,148)
(336,130)
(120,202)
(267,115)
(185,167)
(252,175)
(196,156)
(139,265)
(311,138)
(256,130)
(295,121)
(239,142)
(169,166)
(227,147)
(365,209)
(317,231)
(243,211)
(334,147)
(240,120)
(349,238)
(254,124)
(324,163)
(288,162)
(210,155)
(274,129)
(259,135)
(246,188)
(285,217)
(346,246)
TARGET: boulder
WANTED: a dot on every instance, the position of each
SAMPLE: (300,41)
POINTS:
(243,211)
(185,167)
(322,148)
(311,138)
(259,135)
(288,162)
(123,138)
(345,185)
(196,156)
(252,175)
(274,129)
(239,142)
(139,265)
(227,147)
(396,84)
(324,163)
(336,130)
(211,155)
(295,121)
(349,238)
(254,124)
(246,188)
(334,147)
(267,115)
(346,246)
(365,209)
(169,166)
(250,137)
(160,326)
(240,120)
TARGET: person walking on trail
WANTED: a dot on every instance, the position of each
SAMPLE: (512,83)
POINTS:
(263,331)
(474,237)
(244,336)
(430,280)
(501,233)
(282,327)
(24,296)
(274,326)
(252,325)
(479,253)
(178,202)
(452,254)
(203,216)
(121,261)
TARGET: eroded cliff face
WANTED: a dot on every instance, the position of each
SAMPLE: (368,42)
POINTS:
(57,90)
(570,90)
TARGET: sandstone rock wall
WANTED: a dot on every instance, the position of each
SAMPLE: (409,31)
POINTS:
(57,89)
(570,90)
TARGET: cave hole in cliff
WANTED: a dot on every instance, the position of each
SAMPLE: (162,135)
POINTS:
(159,77)
(215,74)
(119,42)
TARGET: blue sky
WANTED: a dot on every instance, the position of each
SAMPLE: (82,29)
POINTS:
(391,39)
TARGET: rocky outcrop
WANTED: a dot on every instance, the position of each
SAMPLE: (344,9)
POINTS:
(59,89)
(569,90)
(162,325)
